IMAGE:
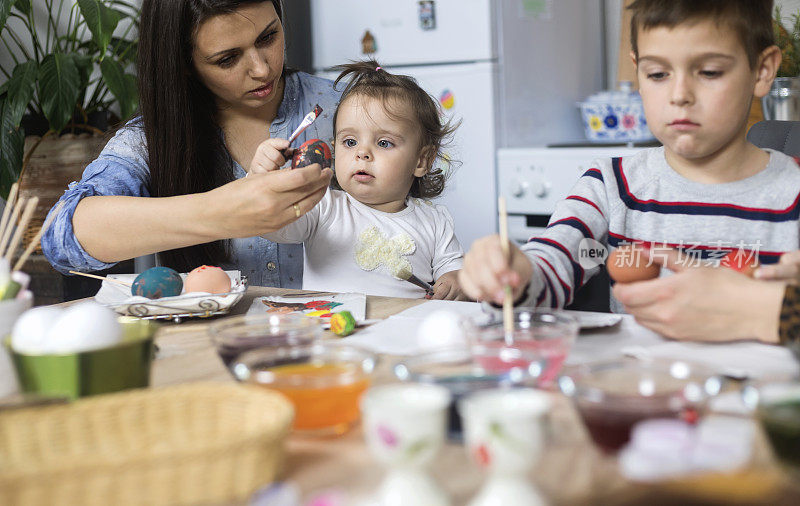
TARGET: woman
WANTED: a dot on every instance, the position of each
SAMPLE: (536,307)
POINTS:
(718,304)
(215,101)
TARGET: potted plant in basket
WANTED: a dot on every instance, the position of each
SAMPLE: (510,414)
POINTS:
(71,74)
(783,100)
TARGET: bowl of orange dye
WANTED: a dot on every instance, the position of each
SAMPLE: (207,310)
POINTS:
(324,381)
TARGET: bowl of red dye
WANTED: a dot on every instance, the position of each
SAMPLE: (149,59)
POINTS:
(239,334)
(548,334)
(614,395)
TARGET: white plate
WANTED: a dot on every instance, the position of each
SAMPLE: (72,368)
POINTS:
(119,298)
(589,320)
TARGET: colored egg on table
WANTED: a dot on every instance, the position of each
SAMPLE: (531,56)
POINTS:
(312,151)
(157,282)
(209,279)
(630,263)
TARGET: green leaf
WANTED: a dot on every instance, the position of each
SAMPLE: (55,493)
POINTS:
(101,20)
(85,66)
(59,87)
(24,6)
(5,10)
(20,90)
(122,85)
(12,143)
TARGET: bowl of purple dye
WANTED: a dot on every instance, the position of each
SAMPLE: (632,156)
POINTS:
(236,335)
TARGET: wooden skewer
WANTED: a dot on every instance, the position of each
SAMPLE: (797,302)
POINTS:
(38,237)
(95,276)
(508,302)
(10,225)
(30,207)
(12,197)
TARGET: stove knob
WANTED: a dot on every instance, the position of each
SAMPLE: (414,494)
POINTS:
(518,188)
(540,189)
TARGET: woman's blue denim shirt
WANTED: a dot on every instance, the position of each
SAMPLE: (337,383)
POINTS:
(122,169)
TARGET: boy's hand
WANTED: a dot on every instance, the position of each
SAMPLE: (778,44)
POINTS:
(270,155)
(486,270)
(787,269)
(447,287)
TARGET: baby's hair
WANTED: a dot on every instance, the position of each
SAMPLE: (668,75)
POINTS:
(368,78)
(751,20)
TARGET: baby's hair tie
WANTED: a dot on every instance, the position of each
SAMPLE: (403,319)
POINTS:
(377,68)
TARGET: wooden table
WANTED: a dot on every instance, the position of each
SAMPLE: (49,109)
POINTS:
(571,471)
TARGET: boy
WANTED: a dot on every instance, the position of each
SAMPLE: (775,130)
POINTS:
(700,63)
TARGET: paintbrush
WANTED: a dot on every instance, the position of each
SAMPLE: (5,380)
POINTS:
(425,286)
(508,302)
(310,117)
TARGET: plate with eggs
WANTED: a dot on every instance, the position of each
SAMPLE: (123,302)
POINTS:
(161,292)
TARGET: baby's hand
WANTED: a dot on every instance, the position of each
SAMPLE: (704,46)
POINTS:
(270,155)
(787,269)
(447,287)
(486,270)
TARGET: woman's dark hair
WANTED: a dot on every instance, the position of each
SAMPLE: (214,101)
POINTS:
(367,78)
(751,20)
(185,146)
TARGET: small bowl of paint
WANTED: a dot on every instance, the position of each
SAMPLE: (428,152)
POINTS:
(464,370)
(612,396)
(239,334)
(324,381)
(548,334)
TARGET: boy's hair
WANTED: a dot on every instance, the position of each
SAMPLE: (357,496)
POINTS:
(367,78)
(750,19)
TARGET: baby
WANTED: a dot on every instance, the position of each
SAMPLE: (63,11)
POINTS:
(377,228)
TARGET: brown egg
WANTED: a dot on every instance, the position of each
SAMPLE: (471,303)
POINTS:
(630,263)
(207,278)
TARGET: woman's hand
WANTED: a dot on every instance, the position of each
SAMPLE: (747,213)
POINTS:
(264,202)
(270,155)
(447,287)
(703,303)
(487,270)
(787,269)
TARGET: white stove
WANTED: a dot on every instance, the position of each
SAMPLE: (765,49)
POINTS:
(533,180)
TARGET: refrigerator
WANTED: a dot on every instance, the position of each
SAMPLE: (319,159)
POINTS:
(510,71)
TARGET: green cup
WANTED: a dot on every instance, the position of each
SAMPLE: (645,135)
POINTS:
(74,375)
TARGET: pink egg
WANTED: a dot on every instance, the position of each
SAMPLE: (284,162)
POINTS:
(207,278)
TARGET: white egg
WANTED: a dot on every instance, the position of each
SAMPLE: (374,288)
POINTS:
(29,334)
(440,329)
(84,326)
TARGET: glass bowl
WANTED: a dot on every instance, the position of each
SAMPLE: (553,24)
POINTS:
(324,381)
(463,370)
(234,336)
(612,396)
(776,404)
(550,334)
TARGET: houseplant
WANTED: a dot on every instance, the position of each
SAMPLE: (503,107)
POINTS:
(71,61)
(783,100)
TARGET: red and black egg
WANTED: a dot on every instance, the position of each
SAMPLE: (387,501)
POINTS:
(312,151)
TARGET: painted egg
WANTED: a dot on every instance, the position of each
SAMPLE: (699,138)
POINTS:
(157,282)
(741,261)
(209,279)
(629,263)
(312,151)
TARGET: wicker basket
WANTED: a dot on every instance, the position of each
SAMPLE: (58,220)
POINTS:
(204,443)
